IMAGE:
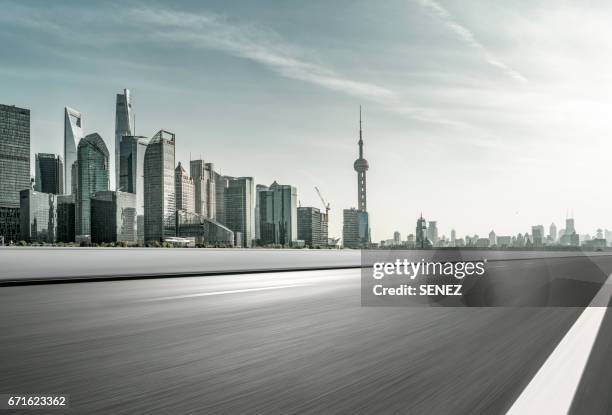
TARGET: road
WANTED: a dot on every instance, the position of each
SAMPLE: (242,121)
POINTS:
(293,342)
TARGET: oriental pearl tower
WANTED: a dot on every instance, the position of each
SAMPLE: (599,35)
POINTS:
(361,166)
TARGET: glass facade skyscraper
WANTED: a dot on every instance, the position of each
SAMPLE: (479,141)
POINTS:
(123,126)
(38,215)
(131,175)
(73,133)
(205,194)
(93,159)
(113,217)
(278,214)
(239,209)
(66,218)
(14,166)
(49,173)
(312,226)
(159,190)
(355,229)
(183,189)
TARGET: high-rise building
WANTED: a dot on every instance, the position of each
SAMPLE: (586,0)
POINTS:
(258,201)
(184,192)
(38,214)
(93,176)
(278,214)
(355,228)
(113,217)
(239,209)
(205,194)
(49,174)
(552,233)
(221,184)
(361,167)
(312,227)
(123,126)
(14,167)
(537,233)
(131,175)
(432,231)
(453,237)
(159,189)
(570,237)
(66,218)
(73,133)
(422,241)
(397,238)
(492,238)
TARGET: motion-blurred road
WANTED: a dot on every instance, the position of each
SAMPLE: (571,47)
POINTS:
(287,342)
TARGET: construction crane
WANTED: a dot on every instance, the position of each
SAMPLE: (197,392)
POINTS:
(326,204)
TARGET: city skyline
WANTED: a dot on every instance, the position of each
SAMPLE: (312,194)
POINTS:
(495,140)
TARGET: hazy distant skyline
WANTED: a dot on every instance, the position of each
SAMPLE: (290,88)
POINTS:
(482,115)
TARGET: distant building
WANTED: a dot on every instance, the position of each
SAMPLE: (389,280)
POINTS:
(278,214)
(239,209)
(537,233)
(504,241)
(131,170)
(312,227)
(93,170)
(205,194)
(453,237)
(422,241)
(38,216)
(355,229)
(552,232)
(124,126)
(184,191)
(159,189)
(432,232)
(14,167)
(49,174)
(570,237)
(202,230)
(66,218)
(482,243)
(73,133)
(113,217)
(397,238)
(220,185)
(258,201)
(492,238)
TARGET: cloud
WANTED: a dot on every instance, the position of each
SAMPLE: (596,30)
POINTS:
(258,45)
(468,37)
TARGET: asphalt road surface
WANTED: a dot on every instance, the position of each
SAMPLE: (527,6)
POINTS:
(299,342)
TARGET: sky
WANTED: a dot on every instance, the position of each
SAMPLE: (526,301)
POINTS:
(481,115)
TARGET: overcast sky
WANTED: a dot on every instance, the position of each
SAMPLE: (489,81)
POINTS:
(483,115)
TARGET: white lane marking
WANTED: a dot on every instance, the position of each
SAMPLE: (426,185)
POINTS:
(244,290)
(496,266)
(552,389)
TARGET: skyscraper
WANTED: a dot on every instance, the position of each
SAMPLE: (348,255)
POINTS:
(93,176)
(552,232)
(537,233)
(113,217)
(355,228)
(203,176)
(361,167)
(184,190)
(49,173)
(492,238)
(421,233)
(131,175)
(312,227)
(432,231)
(159,189)
(278,214)
(66,218)
(123,126)
(239,209)
(38,212)
(14,167)
(73,133)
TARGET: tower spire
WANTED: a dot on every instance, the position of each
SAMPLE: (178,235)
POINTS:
(360,136)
